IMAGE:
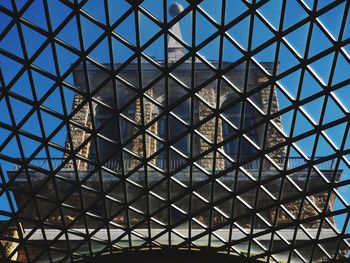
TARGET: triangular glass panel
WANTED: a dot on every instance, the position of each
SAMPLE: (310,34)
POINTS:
(126,29)
(319,42)
(297,39)
(58,13)
(234,10)
(261,33)
(33,40)
(11,42)
(70,34)
(150,29)
(332,20)
(272,11)
(12,67)
(240,32)
(293,14)
(91,32)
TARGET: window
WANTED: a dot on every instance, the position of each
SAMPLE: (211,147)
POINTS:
(232,125)
(176,128)
(108,141)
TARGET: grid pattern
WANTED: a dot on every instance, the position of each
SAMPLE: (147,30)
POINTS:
(202,184)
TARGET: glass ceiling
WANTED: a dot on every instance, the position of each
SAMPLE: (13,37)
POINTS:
(130,124)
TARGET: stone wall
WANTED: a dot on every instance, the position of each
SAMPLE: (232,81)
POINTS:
(78,135)
(307,212)
(8,242)
(274,135)
(208,129)
(149,114)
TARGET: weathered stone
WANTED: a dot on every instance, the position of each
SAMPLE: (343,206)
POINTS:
(79,136)
(8,243)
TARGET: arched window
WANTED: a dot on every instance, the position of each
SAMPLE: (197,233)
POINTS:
(176,126)
(109,140)
(233,114)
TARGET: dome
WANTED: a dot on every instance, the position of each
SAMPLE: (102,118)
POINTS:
(175,9)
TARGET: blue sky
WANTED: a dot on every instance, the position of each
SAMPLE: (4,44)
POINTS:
(58,12)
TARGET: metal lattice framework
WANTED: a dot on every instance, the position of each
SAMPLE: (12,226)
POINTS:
(231,137)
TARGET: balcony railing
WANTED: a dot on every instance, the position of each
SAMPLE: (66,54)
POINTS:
(54,163)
